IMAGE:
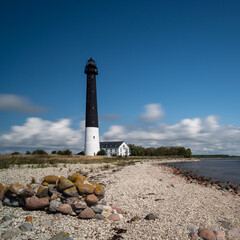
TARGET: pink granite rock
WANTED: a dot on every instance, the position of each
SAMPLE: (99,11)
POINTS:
(207,234)
(87,213)
(35,203)
(91,200)
(193,236)
(220,235)
(113,217)
(64,209)
(119,210)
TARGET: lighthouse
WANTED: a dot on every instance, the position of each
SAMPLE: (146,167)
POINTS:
(92,145)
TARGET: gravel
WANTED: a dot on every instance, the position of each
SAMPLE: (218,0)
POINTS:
(139,190)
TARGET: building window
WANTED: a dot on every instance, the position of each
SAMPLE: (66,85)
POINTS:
(93,137)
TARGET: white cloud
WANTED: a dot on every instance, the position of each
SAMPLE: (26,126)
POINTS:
(38,133)
(114,133)
(153,112)
(16,103)
(202,135)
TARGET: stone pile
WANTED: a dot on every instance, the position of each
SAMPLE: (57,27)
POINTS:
(76,196)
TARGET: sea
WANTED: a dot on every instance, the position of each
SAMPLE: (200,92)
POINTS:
(222,169)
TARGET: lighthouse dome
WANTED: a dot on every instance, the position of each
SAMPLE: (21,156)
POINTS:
(91,67)
(91,62)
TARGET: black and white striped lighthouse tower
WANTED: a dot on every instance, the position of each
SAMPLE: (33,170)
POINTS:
(91,131)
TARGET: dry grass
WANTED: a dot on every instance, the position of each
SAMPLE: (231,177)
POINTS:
(53,159)
(8,160)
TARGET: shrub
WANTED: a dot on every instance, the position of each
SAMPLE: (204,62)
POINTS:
(15,153)
(39,151)
(28,153)
(102,153)
(54,152)
(65,152)
(81,153)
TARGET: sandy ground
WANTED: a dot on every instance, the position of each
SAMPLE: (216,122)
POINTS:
(140,189)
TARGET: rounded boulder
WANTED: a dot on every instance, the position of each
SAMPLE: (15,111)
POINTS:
(99,190)
(207,233)
(16,188)
(77,178)
(71,192)
(35,203)
(85,188)
(91,200)
(113,217)
(51,179)
(54,204)
(64,183)
(65,209)
(27,192)
(87,213)
(42,192)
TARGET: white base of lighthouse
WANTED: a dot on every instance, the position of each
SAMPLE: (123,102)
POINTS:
(92,146)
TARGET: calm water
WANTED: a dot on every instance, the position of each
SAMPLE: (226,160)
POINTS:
(227,169)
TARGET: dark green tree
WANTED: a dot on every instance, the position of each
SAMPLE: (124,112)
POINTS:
(136,150)
(188,153)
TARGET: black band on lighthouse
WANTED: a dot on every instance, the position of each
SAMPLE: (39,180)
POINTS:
(91,100)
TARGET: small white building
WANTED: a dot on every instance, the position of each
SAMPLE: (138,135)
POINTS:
(115,148)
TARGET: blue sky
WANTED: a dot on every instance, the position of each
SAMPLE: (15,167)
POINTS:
(168,73)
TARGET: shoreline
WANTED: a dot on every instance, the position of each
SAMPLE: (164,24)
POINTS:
(193,177)
(140,189)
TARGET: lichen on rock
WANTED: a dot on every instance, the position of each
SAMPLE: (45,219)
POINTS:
(85,188)
(64,183)
(51,179)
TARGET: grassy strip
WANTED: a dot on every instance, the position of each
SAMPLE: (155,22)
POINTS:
(42,160)
(51,160)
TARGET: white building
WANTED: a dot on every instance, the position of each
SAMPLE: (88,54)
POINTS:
(115,148)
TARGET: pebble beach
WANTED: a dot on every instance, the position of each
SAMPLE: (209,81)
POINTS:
(179,207)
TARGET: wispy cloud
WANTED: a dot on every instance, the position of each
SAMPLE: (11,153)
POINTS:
(16,103)
(152,112)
